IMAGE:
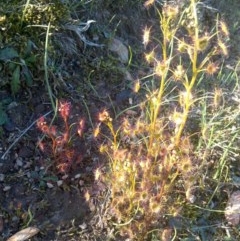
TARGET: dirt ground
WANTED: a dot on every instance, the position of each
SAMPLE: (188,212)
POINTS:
(32,191)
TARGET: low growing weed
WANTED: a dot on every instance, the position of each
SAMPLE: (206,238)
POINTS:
(59,145)
(22,25)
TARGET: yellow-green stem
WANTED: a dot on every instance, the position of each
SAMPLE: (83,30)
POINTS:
(156,109)
(189,87)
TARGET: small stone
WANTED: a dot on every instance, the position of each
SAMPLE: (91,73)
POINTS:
(232,210)
(83,226)
(15,219)
(91,206)
(27,165)
(131,113)
(192,198)
(49,185)
(6,188)
(2,176)
(64,177)
(130,101)
(19,162)
(24,234)
(77,176)
(95,37)
(120,49)
(59,183)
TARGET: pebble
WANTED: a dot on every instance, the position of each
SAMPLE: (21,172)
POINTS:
(2,176)
(64,177)
(15,219)
(27,165)
(19,162)
(59,183)
(6,188)
(83,226)
(49,185)
(77,176)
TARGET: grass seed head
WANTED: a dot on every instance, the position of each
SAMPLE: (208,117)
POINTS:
(217,97)
(154,205)
(96,131)
(224,28)
(150,57)
(148,3)
(185,98)
(223,48)
(177,118)
(104,116)
(87,196)
(160,68)
(136,86)
(170,11)
(81,126)
(182,46)
(211,68)
(202,43)
(146,36)
(103,148)
(97,174)
(179,72)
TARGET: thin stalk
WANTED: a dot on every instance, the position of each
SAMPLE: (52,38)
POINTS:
(189,86)
(24,11)
(156,108)
(46,68)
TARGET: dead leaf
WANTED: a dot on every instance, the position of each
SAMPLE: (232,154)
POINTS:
(131,112)
(24,234)
(120,49)
(232,211)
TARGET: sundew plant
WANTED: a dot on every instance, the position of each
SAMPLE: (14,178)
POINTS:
(156,158)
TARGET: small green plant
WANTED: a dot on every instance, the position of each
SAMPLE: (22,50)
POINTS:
(19,67)
(3,114)
(59,148)
(21,48)
(149,155)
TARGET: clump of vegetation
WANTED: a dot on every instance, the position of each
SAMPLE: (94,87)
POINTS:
(23,29)
(59,146)
(154,167)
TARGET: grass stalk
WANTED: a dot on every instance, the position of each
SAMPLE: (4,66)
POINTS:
(46,68)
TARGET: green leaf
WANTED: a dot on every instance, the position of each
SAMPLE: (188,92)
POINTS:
(15,83)
(8,53)
(31,59)
(50,178)
(28,49)
(3,116)
(28,76)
